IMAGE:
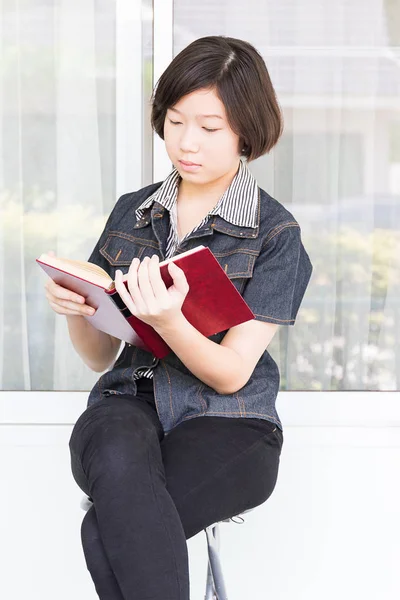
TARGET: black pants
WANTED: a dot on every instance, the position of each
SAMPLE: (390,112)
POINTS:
(152,492)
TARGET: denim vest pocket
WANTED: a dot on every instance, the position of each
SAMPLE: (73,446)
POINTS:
(256,399)
(238,265)
(121,248)
(220,404)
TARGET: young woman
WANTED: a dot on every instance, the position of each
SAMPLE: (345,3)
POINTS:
(167,447)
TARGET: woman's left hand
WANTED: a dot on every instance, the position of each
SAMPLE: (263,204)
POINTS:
(148,298)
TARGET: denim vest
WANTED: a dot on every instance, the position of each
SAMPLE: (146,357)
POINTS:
(267,264)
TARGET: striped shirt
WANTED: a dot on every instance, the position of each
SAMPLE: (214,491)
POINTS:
(238,205)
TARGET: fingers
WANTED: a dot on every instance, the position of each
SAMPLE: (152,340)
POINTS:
(151,284)
(143,279)
(178,275)
(145,292)
(135,282)
(65,302)
(63,293)
(124,293)
(68,309)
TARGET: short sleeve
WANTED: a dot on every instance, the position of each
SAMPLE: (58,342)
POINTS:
(280,277)
(96,257)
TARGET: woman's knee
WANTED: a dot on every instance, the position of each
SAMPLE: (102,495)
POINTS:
(93,549)
(113,437)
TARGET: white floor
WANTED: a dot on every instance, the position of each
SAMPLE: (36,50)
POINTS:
(330,530)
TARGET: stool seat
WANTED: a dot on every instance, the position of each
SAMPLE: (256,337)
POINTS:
(86,503)
(215,585)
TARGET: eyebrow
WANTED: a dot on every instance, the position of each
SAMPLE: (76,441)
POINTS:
(216,116)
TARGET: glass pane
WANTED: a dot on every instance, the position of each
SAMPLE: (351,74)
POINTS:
(58,160)
(336,70)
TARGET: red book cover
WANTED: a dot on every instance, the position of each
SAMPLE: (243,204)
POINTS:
(213,304)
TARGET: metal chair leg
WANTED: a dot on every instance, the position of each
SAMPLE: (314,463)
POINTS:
(210,590)
(215,585)
(215,588)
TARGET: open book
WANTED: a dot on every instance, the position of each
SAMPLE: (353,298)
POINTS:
(213,304)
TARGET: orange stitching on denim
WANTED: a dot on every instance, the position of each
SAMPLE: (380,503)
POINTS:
(298,226)
(248,415)
(112,261)
(132,238)
(235,233)
(238,400)
(118,254)
(243,273)
(238,274)
(240,251)
(282,225)
(250,266)
(170,387)
(277,230)
(202,401)
(243,403)
(269,317)
(154,393)
(243,408)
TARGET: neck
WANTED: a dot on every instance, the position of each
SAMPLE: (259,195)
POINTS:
(190,192)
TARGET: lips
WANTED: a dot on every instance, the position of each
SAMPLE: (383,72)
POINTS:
(189,164)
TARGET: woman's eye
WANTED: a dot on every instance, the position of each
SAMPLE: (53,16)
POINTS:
(205,128)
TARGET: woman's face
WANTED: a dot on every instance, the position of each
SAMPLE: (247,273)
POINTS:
(196,131)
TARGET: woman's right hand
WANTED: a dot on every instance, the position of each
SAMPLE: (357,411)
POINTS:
(65,302)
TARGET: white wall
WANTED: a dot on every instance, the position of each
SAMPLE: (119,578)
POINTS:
(330,530)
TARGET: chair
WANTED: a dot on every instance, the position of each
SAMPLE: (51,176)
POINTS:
(215,585)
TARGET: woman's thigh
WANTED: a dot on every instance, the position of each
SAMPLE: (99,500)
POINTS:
(217,467)
(111,431)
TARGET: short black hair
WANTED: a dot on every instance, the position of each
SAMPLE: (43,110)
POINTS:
(238,73)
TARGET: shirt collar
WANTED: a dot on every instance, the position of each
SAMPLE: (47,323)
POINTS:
(238,204)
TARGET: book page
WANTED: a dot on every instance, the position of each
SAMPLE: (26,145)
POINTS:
(80,268)
(94,273)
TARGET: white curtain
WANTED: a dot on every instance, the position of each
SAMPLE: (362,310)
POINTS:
(336,69)
(68,81)
(57,173)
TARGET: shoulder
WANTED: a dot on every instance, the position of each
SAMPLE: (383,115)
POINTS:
(274,218)
(135,198)
(273,213)
(129,202)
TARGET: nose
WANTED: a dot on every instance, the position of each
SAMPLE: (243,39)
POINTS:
(188,142)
